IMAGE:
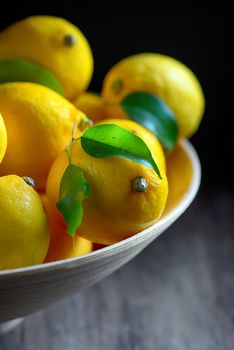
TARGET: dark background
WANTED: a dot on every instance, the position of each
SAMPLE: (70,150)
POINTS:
(178,294)
(197,36)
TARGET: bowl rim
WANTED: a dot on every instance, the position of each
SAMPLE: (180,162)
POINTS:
(166,220)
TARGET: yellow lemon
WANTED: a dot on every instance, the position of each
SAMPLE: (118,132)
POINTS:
(92,105)
(39,124)
(126,197)
(179,175)
(24,231)
(3,138)
(62,245)
(160,75)
(53,43)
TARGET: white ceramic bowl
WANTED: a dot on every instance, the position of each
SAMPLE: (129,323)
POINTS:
(25,290)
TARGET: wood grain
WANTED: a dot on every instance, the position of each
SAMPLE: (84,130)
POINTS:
(178,294)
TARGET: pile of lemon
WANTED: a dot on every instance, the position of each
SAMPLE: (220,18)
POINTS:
(46,65)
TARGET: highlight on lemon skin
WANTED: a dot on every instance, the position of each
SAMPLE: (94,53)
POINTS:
(162,76)
(24,231)
(3,138)
(53,43)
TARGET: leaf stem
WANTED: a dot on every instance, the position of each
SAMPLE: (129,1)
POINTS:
(74,129)
(67,150)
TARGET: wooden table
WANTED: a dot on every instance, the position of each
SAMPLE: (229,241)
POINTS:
(178,294)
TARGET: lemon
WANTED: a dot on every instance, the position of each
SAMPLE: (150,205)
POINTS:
(24,231)
(92,105)
(118,206)
(39,125)
(160,75)
(179,175)
(3,139)
(53,43)
(62,246)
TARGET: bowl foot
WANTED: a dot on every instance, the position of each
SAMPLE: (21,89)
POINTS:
(6,327)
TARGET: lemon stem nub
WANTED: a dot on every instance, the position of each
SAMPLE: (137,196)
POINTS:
(29,181)
(69,40)
(140,184)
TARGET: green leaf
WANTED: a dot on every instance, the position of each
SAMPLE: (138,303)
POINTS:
(111,140)
(151,112)
(73,190)
(20,70)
